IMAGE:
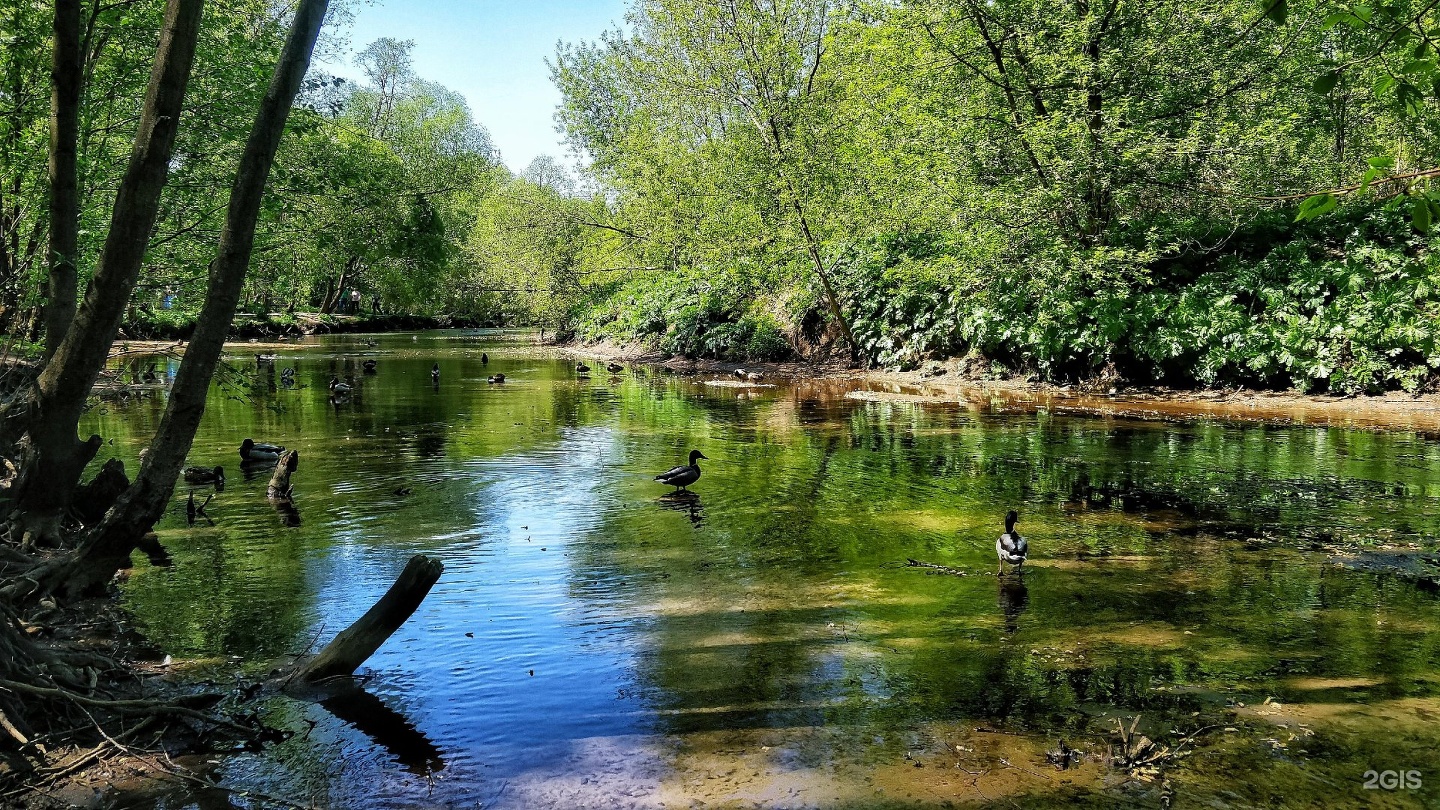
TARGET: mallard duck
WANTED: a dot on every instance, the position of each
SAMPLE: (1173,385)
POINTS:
(368,366)
(614,368)
(1011,547)
(496,378)
(338,388)
(435,372)
(582,368)
(288,373)
(251,450)
(684,475)
(204,475)
(484,359)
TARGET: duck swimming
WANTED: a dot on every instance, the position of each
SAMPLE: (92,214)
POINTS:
(338,388)
(582,368)
(205,475)
(684,475)
(368,366)
(251,450)
(496,378)
(1011,547)
(435,372)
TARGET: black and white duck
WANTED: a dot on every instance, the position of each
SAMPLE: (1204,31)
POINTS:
(435,373)
(1011,547)
(495,378)
(369,366)
(614,368)
(338,388)
(581,368)
(251,450)
(684,475)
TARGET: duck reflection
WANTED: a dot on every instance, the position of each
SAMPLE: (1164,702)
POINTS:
(684,501)
(1014,598)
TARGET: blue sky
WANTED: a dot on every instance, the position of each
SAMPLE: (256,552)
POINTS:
(493,52)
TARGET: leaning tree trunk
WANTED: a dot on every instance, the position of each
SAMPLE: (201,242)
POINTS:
(143,504)
(59,394)
(65,72)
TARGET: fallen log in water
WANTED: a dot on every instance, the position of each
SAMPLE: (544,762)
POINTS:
(359,641)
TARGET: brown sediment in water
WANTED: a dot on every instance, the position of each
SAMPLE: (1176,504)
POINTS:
(1391,411)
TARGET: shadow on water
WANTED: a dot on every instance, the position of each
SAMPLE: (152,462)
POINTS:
(588,649)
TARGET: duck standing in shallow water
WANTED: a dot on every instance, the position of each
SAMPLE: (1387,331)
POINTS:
(1011,547)
(581,368)
(684,475)
(614,368)
(251,450)
(484,359)
(435,373)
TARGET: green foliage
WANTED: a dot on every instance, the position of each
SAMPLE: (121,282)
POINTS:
(682,315)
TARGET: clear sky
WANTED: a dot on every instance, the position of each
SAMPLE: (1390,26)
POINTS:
(493,52)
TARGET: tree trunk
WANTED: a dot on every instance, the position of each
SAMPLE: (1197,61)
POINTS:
(359,641)
(143,504)
(65,74)
(332,297)
(58,398)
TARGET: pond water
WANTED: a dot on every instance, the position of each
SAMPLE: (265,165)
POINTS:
(595,643)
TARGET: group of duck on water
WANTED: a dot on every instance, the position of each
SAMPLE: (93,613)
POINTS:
(1011,548)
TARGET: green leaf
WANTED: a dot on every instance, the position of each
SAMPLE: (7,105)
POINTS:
(1363,12)
(1275,10)
(1324,84)
(1383,85)
(1382,162)
(1370,176)
(1315,206)
(1335,19)
(1420,214)
(1418,65)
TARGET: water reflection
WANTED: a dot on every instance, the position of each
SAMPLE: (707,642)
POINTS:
(582,637)
(387,728)
(1014,597)
(685,502)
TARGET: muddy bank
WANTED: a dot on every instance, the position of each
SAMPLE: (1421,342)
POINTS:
(951,383)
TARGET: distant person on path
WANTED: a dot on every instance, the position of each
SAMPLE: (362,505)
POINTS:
(375,304)
(354,302)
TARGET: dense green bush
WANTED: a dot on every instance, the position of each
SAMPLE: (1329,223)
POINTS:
(1346,305)
(681,314)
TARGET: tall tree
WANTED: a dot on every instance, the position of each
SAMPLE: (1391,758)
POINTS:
(65,78)
(144,502)
(56,455)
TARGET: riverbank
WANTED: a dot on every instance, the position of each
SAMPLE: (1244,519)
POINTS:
(298,324)
(955,383)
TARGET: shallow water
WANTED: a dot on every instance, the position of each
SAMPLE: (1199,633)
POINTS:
(595,643)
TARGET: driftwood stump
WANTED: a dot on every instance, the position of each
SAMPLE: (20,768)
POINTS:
(279,488)
(359,641)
